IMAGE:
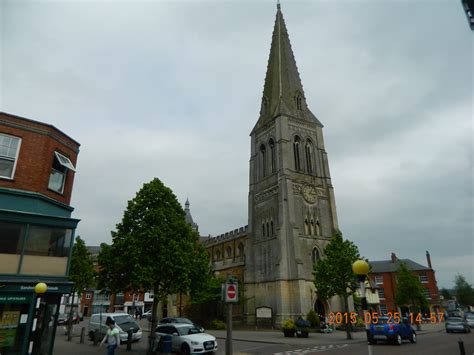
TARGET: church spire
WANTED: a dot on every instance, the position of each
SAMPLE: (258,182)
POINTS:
(283,92)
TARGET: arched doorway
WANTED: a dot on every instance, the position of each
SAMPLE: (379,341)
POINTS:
(319,308)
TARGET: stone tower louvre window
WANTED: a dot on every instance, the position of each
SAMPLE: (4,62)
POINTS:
(271,226)
(263,229)
(9,149)
(296,151)
(308,151)
(271,144)
(263,154)
(57,179)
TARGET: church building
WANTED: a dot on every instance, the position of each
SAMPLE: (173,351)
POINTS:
(292,209)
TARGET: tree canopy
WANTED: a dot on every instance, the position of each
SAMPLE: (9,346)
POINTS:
(410,291)
(463,291)
(81,272)
(153,248)
(333,274)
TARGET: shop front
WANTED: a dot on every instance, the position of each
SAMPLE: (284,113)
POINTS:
(28,315)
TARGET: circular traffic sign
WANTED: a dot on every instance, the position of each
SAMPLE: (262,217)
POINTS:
(231,292)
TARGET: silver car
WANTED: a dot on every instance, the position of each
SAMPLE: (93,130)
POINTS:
(457,324)
(185,338)
(469,317)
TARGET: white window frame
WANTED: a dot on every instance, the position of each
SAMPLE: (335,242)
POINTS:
(67,164)
(383,309)
(378,279)
(427,293)
(15,160)
(88,296)
(424,279)
(381,293)
(65,161)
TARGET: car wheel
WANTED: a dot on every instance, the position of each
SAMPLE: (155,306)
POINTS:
(448,331)
(413,338)
(398,340)
(185,350)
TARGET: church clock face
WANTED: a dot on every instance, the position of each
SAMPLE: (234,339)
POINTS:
(310,194)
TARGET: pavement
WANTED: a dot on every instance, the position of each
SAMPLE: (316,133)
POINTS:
(62,346)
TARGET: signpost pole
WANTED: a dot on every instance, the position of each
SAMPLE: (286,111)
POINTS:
(228,340)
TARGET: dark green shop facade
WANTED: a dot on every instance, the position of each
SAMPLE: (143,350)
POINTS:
(36,238)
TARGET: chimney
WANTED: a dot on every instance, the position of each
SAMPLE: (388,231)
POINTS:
(428,259)
(394,258)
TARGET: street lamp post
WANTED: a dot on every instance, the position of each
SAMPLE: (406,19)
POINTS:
(361,269)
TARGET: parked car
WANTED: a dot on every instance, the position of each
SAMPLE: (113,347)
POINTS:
(457,324)
(469,317)
(147,314)
(63,318)
(386,329)
(185,338)
(123,321)
(169,320)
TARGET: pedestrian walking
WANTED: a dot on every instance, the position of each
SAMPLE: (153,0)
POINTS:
(112,337)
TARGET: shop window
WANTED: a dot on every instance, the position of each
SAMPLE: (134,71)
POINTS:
(11,240)
(48,241)
(57,179)
(9,149)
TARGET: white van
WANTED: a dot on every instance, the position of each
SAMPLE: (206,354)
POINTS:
(123,321)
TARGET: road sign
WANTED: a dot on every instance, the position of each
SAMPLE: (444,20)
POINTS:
(231,293)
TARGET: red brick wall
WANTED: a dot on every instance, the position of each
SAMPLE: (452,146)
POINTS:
(36,156)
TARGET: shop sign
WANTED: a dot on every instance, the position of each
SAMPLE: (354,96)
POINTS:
(14,299)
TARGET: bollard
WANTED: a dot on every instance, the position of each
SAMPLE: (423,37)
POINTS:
(83,332)
(129,339)
(461,347)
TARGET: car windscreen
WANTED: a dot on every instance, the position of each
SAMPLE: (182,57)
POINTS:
(125,322)
(454,320)
(188,330)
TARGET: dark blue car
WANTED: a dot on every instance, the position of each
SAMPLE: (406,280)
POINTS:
(387,329)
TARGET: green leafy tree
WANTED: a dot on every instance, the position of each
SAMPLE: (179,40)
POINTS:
(410,291)
(446,294)
(333,274)
(153,249)
(81,273)
(463,291)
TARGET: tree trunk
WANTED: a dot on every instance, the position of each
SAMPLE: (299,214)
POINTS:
(348,326)
(154,321)
(69,321)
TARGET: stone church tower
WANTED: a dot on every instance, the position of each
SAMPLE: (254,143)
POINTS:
(292,210)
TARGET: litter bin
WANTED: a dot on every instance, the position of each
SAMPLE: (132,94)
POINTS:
(166,343)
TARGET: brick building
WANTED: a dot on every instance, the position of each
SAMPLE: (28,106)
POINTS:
(37,165)
(384,275)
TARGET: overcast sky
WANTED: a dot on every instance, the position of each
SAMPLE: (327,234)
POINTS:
(172,89)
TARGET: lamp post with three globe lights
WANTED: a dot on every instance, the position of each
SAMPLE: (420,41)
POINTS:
(361,269)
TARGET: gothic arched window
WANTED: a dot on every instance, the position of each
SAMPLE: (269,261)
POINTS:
(271,226)
(263,229)
(296,151)
(309,153)
(229,252)
(240,248)
(263,154)
(218,254)
(271,144)
(315,255)
(311,230)
(306,226)
(318,228)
